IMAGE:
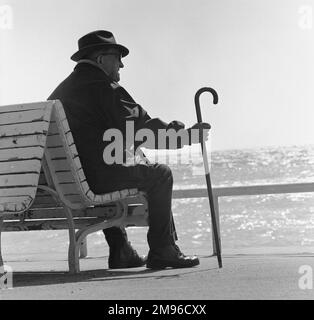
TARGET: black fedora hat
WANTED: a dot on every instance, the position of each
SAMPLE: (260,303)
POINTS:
(96,40)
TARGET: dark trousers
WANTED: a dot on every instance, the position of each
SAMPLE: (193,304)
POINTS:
(157,181)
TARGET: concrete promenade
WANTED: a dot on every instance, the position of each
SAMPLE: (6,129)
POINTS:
(244,276)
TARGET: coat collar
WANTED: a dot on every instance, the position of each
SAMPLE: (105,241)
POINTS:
(87,62)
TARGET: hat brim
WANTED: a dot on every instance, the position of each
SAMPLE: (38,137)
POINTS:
(82,52)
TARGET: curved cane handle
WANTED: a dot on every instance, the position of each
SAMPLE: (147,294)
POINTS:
(197,100)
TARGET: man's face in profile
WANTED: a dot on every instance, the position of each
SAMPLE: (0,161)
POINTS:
(111,62)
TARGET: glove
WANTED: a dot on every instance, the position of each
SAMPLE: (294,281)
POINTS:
(176,125)
(203,128)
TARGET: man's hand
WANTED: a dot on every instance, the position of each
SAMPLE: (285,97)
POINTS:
(201,134)
(176,125)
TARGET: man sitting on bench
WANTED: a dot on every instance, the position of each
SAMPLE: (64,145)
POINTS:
(94,102)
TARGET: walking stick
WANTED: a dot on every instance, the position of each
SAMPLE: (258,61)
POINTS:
(207,175)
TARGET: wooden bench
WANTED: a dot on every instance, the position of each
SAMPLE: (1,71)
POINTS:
(42,183)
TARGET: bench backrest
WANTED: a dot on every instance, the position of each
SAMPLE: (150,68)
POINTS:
(23,132)
(30,133)
(66,170)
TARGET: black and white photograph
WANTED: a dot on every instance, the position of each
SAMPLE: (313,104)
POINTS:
(156,155)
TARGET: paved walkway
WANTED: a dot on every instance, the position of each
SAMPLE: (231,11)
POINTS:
(262,276)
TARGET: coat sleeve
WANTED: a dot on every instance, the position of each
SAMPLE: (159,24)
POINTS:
(120,108)
(171,135)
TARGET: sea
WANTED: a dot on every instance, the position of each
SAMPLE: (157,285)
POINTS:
(280,223)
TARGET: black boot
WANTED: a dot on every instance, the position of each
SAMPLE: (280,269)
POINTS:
(170,257)
(121,253)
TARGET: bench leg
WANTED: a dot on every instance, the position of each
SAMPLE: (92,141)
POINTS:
(117,220)
(1,225)
(73,253)
(83,248)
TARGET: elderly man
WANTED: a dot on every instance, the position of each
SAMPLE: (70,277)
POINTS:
(94,102)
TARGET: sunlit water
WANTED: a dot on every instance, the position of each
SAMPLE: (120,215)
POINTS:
(257,223)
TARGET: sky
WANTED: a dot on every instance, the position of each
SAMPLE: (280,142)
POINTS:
(257,54)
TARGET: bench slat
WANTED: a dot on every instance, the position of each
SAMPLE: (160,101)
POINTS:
(23,129)
(21,153)
(13,200)
(13,207)
(24,106)
(77,162)
(61,165)
(54,141)
(69,138)
(63,177)
(104,213)
(24,179)
(53,129)
(28,116)
(57,152)
(23,141)
(45,202)
(70,189)
(38,199)
(58,213)
(18,191)
(20,166)
(48,201)
(73,151)
(36,225)
(81,174)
